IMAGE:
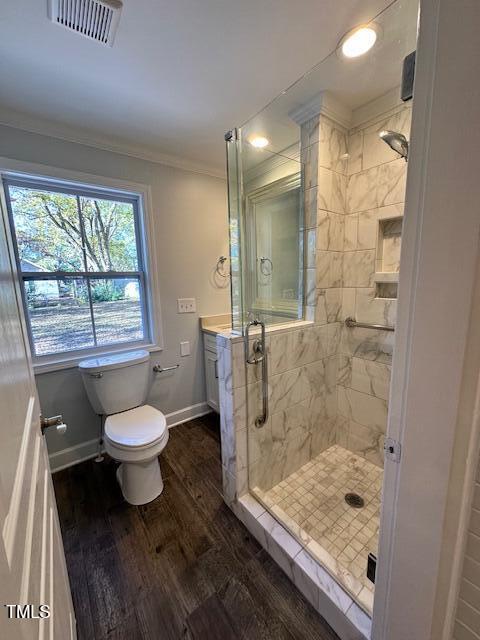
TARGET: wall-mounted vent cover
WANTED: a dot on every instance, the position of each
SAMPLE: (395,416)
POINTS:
(94,19)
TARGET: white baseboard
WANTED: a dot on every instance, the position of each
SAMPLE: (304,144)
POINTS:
(86,450)
(189,413)
(73,455)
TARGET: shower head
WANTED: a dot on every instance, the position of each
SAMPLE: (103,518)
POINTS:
(396,141)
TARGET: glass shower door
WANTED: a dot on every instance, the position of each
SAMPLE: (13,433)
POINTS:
(266,232)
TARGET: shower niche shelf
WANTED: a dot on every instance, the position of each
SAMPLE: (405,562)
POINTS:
(387,265)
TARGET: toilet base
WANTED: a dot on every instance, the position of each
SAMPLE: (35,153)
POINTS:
(140,482)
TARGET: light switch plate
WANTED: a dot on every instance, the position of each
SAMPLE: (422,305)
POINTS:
(185,348)
(186,305)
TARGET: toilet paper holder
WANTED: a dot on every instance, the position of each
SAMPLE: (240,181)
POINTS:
(157,368)
(53,421)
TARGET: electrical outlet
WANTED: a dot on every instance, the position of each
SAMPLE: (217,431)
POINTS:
(186,305)
(185,348)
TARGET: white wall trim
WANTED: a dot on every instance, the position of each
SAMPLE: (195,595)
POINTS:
(188,413)
(462,481)
(377,109)
(471,464)
(439,258)
(323,103)
(86,450)
(73,455)
(69,134)
(288,159)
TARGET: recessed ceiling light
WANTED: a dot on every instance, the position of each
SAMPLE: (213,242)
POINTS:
(259,142)
(358,41)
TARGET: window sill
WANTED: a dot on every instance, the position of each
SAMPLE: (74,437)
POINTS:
(59,364)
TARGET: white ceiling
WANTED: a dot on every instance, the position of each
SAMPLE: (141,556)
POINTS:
(180,73)
(352,84)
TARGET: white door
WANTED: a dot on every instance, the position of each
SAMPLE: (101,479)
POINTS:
(32,561)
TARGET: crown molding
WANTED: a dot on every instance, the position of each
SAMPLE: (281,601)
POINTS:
(23,122)
(273,161)
(377,108)
(325,104)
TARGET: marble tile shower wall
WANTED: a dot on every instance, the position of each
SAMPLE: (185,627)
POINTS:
(324,148)
(375,191)
(302,399)
(327,384)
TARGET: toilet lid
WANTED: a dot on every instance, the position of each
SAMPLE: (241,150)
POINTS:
(136,427)
(113,361)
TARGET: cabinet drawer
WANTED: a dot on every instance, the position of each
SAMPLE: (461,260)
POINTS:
(210,342)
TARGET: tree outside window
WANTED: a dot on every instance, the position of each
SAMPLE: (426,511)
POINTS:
(80,261)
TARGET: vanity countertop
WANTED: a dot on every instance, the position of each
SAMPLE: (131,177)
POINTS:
(216,324)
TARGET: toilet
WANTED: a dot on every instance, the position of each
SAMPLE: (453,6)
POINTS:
(135,433)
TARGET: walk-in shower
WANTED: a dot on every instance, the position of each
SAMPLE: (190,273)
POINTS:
(316,224)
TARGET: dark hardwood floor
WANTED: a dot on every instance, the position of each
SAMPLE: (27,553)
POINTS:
(182,566)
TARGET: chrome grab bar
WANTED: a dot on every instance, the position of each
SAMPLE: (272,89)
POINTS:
(351,323)
(259,356)
(258,346)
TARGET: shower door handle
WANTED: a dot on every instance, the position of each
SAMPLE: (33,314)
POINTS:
(259,357)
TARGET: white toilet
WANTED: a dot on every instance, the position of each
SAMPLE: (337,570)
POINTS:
(135,433)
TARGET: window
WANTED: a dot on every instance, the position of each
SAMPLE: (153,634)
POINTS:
(80,258)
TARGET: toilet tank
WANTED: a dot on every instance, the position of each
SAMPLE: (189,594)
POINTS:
(117,382)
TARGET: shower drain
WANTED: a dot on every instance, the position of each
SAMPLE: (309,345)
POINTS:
(354,500)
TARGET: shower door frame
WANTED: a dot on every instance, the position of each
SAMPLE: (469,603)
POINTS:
(440,256)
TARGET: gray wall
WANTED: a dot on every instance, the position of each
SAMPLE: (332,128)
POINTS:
(190,220)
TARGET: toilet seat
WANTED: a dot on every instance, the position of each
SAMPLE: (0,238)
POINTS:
(135,438)
(136,429)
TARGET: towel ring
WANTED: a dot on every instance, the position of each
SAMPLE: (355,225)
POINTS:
(264,268)
(219,268)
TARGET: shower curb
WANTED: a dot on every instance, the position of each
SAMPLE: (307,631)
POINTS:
(335,605)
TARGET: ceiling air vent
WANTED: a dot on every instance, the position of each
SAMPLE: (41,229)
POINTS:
(94,19)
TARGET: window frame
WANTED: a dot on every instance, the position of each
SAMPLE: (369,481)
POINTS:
(145,267)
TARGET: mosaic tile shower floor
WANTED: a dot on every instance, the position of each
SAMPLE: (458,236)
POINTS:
(311,503)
